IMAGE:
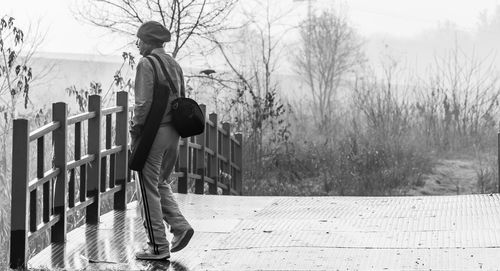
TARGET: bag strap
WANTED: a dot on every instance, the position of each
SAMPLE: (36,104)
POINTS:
(155,74)
(154,70)
(165,72)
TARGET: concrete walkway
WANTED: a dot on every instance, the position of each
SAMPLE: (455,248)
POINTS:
(301,233)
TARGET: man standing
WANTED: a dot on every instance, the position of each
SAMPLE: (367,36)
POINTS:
(156,199)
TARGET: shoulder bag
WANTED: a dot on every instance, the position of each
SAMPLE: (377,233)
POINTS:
(187,116)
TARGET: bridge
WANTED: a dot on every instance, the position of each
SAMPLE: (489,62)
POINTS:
(100,228)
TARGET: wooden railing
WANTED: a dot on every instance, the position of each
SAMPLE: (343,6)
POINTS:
(214,157)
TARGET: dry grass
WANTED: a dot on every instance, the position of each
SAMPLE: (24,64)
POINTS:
(391,139)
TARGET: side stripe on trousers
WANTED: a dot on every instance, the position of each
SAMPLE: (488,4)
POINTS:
(147,215)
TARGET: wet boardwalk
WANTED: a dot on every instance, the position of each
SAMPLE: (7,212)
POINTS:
(301,233)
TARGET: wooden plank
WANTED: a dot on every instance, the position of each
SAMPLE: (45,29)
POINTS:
(80,206)
(209,122)
(213,167)
(182,182)
(176,174)
(46,201)
(223,186)
(234,192)
(221,130)
(195,145)
(111,110)
(82,161)
(110,192)
(226,151)
(207,150)
(83,181)
(200,163)
(104,164)
(59,138)
(222,158)
(19,200)
(209,180)
(40,157)
(235,166)
(47,177)
(42,228)
(32,212)
(112,170)
(112,150)
(121,162)
(50,127)
(71,188)
(94,169)
(256,233)
(193,176)
(80,117)
(236,141)
(238,156)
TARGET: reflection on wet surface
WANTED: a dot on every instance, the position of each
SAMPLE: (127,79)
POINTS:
(299,233)
(140,265)
(111,244)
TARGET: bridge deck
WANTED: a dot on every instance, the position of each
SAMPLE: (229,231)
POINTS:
(301,233)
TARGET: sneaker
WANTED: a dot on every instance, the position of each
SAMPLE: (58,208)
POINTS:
(146,254)
(180,241)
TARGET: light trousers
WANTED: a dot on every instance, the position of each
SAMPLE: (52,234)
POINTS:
(156,199)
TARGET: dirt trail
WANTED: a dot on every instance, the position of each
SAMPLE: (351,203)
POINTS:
(449,177)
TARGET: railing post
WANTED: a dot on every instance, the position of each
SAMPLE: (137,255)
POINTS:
(59,138)
(120,199)
(182,182)
(226,152)
(94,170)
(214,146)
(199,186)
(19,200)
(238,157)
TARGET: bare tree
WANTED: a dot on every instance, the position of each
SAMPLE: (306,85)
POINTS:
(186,19)
(253,61)
(462,96)
(329,50)
(16,76)
(15,73)
(16,79)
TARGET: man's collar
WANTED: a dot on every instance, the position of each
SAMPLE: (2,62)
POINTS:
(158,51)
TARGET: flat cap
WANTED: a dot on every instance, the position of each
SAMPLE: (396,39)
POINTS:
(151,31)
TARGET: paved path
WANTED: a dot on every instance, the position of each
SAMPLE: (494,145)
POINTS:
(301,233)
